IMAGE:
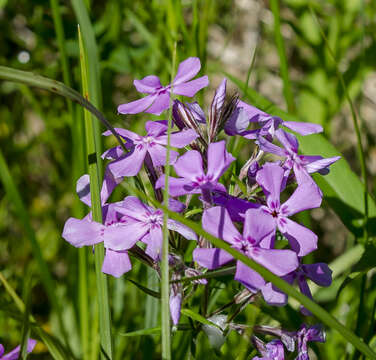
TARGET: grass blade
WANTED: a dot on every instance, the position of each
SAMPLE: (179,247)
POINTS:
(143,332)
(26,316)
(197,317)
(93,154)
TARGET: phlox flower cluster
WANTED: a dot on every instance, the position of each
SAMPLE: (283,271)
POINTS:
(254,213)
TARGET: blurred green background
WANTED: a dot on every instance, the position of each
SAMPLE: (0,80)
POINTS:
(135,39)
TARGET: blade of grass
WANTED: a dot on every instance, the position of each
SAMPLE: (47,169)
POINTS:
(23,216)
(95,180)
(284,286)
(287,91)
(165,281)
(54,347)
(31,79)
(26,315)
(78,168)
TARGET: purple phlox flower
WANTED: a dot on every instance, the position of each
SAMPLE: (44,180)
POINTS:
(193,179)
(158,98)
(235,206)
(154,144)
(144,223)
(306,196)
(85,232)
(319,273)
(273,350)
(301,164)
(247,114)
(257,226)
(306,334)
(15,353)
(176,296)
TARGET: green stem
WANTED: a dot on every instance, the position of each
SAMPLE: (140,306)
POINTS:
(165,283)
(287,91)
(96,207)
(284,286)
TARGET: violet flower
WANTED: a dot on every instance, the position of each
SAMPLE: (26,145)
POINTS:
(15,353)
(247,114)
(257,226)
(301,164)
(193,179)
(306,196)
(143,223)
(306,334)
(273,350)
(158,99)
(319,273)
(153,143)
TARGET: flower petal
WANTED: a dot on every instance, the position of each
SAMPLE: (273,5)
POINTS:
(303,128)
(189,165)
(82,232)
(130,164)
(269,147)
(134,208)
(270,178)
(83,189)
(319,273)
(248,277)
(148,85)
(175,307)
(217,222)
(156,128)
(178,139)
(183,230)
(137,106)
(212,258)
(192,87)
(289,141)
(302,240)
(116,263)
(273,296)
(258,224)
(187,70)
(161,103)
(218,159)
(158,154)
(178,186)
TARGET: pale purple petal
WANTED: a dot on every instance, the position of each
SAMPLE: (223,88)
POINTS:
(192,87)
(178,186)
(267,146)
(212,258)
(130,164)
(123,237)
(258,225)
(148,85)
(236,207)
(303,128)
(218,159)
(319,273)
(248,277)
(219,98)
(127,134)
(137,106)
(302,240)
(109,184)
(270,178)
(197,112)
(189,165)
(253,112)
(116,152)
(273,296)
(1,349)
(158,154)
(161,103)
(154,248)
(279,262)
(187,69)
(156,128)
(217,222)
(176,205)
(306,196)
(82,232)
(83,189)
(321,164)
(289,141)
(15,353)
(178,139)
(175,307)
(134,208)
(116,263)
(183,230)
(237,123)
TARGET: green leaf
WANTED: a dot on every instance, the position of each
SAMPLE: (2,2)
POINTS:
(197,317)
(143,332)
(146,290)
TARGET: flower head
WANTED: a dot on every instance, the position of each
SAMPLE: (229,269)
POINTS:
(158,98)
